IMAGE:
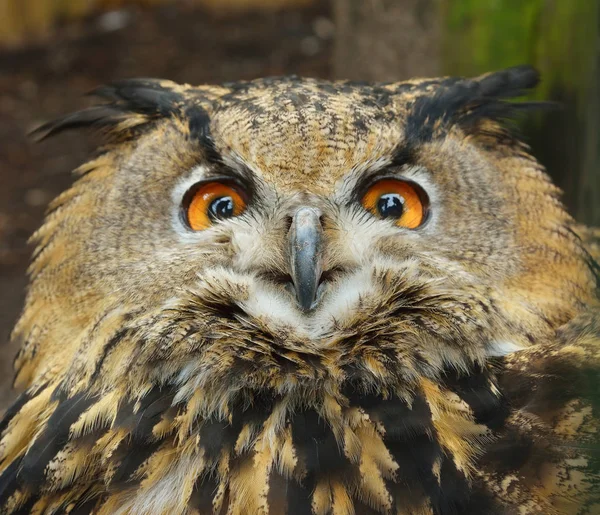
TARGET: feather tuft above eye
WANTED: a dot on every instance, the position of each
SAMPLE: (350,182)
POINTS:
(132,103)
(467,102)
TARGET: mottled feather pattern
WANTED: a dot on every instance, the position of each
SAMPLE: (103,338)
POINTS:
(454,369)
(436,445)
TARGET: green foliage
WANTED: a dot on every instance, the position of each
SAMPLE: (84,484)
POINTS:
(559,37)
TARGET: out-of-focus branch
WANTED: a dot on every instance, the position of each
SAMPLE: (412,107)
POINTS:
(23,21)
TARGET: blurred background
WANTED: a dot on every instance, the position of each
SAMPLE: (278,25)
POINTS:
(54,51)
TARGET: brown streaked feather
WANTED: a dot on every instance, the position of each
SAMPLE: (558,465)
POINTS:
(591,239)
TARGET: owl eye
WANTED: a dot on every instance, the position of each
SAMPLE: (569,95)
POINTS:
(212,201)
(402,201)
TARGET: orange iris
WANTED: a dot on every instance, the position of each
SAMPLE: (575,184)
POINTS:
(214,201)
(396,199)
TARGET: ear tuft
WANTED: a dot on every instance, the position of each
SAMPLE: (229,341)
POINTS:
(466,102)
(509,83)
(132,103)
(143,96)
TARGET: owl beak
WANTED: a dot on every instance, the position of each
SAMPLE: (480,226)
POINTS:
(306,243)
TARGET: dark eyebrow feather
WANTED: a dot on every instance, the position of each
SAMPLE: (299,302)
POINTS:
(403,155)
(199,125)
(239,174)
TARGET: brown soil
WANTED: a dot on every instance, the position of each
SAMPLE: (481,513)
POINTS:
(178,43)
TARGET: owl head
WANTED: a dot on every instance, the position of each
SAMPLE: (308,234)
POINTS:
(398,227)
(286,245)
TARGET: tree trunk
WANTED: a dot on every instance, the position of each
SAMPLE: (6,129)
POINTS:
(386,40)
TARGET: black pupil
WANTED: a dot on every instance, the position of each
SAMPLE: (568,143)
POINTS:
(221,207)
(390,205)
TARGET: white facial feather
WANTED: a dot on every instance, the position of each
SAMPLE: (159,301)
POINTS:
(501,348)
(274,306)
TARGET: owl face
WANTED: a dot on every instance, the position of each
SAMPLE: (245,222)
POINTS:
(293,292)
(316,212)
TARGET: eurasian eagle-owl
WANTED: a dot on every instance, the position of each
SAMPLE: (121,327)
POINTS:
(307,297)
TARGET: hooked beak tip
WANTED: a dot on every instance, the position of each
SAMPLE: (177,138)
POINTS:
(306,241)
